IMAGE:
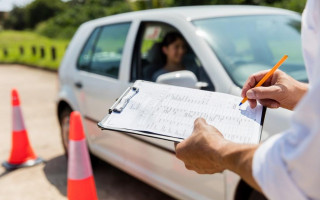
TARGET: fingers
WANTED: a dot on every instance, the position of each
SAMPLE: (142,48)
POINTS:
(271,92)
(252,103)
(199,122)
(265,102)
(201,170)
(269,103)
(252,82)
(175,144)
(179,148)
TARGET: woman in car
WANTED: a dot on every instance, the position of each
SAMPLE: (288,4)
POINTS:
(173,48)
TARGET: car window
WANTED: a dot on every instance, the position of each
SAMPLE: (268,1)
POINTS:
(103,52)
(151,59)
(152,35)
(86,54)
(249,44)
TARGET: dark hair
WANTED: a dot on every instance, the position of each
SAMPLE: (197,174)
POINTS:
(170,38)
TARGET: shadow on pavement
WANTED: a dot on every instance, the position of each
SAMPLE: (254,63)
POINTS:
(56,173)
(5,173)
(111,183)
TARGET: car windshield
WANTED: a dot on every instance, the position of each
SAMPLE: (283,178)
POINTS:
(247,44)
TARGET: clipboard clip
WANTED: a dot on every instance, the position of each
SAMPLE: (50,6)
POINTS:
(123,100)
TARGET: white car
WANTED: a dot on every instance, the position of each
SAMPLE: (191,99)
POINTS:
(226,44)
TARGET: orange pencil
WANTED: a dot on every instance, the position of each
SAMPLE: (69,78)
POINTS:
(267,76)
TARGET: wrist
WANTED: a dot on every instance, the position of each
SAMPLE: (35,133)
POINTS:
(302,89)
(234,157)
(229,156)
(237,157)
(227,150)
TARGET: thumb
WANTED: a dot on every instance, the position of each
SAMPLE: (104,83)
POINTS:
(270,92)
(199,123)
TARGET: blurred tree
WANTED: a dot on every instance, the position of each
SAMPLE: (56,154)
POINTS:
(75,2)
(192,2)
(55,18)
(41,10)
(94,2)
(16,19)
(118,7)
(296,5)
(100,2)
(65,24)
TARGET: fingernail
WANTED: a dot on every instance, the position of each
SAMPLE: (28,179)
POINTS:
(274,105)
(251,94)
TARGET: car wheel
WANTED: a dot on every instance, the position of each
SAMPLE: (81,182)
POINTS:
(64,119)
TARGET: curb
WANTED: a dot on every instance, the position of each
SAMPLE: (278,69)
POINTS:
(31,66)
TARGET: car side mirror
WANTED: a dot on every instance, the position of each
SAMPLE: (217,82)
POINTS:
(182,78)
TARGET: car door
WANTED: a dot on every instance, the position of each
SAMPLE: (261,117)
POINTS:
(147,58)
(165,164)
(98,79)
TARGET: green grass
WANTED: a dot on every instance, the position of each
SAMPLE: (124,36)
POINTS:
(13,40)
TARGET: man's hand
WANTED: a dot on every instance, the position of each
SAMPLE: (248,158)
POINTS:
(200,152)
(280,90)
(207,152)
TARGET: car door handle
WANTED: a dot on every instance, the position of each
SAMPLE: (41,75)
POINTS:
(78,85)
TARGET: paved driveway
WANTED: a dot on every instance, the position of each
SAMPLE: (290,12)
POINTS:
(38,89)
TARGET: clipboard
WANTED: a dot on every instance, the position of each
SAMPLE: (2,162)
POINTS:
(121,104)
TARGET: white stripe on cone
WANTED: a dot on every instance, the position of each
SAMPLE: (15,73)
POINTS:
(18,124)
(79,162)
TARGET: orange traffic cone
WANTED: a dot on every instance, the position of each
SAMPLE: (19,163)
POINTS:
(22,154)
(80,178)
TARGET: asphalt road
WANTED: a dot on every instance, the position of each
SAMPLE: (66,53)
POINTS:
(38,89)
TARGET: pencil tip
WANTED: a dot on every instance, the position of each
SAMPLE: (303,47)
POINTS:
(240,104)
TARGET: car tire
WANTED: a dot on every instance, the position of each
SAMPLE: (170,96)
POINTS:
(64,119)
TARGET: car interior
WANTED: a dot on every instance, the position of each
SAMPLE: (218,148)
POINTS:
(150,57)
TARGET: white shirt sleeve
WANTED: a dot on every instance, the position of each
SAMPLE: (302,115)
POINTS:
(287,166)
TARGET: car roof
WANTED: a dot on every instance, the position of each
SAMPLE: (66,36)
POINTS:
(199,12)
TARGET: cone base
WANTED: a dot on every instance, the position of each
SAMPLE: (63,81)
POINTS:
(83,189)
(28,163)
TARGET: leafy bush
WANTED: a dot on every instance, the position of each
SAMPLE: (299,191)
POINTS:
(12,41)
(65,24)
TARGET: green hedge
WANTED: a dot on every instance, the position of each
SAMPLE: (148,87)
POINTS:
(12,41)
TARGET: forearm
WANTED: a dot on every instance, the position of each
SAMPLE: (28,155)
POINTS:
(238,158)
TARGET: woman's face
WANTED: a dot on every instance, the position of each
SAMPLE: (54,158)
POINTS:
(175,51)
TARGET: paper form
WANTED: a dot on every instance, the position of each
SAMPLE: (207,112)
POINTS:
(171,111)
